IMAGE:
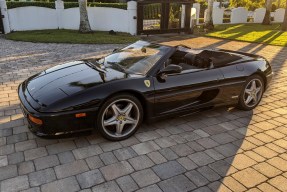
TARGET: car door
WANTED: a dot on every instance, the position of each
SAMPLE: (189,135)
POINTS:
(234,79)
(186,91)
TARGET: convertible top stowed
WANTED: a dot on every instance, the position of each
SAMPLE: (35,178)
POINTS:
(143,81)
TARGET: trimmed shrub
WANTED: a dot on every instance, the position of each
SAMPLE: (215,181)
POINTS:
(111,5)
(15,4)
(67,5)
(70,5)
(94,1)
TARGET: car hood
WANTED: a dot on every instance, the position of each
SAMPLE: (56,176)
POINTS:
(67,79)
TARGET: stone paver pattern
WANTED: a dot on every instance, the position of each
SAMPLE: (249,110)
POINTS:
(223,149)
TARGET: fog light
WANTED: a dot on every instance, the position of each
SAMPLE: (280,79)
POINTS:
(35,120)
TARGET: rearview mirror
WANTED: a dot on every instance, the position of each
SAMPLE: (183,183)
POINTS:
(170,69)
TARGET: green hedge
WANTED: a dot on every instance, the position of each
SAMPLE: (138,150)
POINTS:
(111,5)
(67,5)
(71,5)
(11,5)
(94,1)
(89,1)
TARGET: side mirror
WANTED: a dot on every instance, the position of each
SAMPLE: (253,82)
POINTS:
(170,69)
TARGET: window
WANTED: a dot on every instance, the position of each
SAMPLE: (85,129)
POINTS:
(137,58)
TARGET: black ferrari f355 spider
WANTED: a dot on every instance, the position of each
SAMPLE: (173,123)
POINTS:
(143,81)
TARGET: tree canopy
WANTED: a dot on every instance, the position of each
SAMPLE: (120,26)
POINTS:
(254,4)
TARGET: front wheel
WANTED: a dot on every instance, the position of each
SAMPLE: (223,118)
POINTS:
(252,93)
(120,117)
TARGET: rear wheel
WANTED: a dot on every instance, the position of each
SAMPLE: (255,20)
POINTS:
(120,117)
(252,93)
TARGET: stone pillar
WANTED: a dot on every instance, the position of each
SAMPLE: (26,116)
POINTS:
(197,7)
(132,17)
(4,16)
(59,4)
(217,15)
(182,16)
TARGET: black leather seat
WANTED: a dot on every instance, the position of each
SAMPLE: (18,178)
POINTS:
(189,59)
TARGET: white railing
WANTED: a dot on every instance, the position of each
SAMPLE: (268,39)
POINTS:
(240,15)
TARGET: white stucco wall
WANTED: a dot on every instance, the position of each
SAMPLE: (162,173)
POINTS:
(217,15)
(105,19)
(32,18)
(259,15)
(239,15)
(279,15)
(101,18)
(71,18)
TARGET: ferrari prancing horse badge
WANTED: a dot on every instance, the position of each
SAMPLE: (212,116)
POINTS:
(147,83)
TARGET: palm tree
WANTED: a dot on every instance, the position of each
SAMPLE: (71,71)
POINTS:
(208,20)
(284,25)
(84,19)
(267,18)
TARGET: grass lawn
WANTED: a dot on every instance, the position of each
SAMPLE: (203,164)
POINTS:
(71,36)
(267,34)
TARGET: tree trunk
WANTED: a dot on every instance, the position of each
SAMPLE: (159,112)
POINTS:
(84,19)
(284,25)
(208,20)
(267,18)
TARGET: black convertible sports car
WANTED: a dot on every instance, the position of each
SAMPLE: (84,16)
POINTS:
(143,81)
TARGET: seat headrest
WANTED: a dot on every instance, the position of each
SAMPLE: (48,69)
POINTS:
(189,58)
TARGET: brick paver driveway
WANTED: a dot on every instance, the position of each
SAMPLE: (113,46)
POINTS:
(219,150)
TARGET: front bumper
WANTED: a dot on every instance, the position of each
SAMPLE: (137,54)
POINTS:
(58,124)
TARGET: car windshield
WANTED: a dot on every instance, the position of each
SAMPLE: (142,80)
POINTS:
(137,58)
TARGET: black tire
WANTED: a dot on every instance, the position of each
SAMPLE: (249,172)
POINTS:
(241,103)
(99,125)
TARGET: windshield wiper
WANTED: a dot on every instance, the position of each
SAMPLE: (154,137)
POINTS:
(117,65)
(94,66)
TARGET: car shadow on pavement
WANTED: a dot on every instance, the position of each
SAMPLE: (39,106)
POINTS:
(205,144)
(205,148)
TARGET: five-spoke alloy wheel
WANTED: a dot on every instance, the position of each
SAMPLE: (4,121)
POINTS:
(252,93)
(120,117)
